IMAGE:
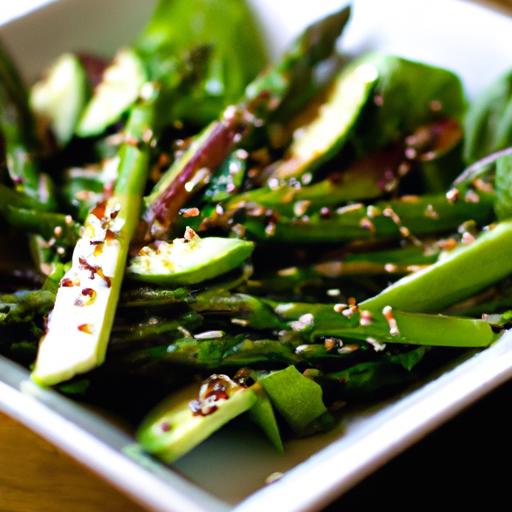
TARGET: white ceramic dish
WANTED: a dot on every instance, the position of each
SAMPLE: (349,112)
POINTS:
(230,469)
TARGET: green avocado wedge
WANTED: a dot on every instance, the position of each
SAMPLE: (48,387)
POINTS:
(61,96)
(188,260)
(374,101)
(333,121)
(119,88)
(187,418)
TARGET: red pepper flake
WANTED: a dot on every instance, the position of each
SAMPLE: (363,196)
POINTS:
(99,210)
(165,426)
(88,296)
(190,212)
(109,235)
(213,391)
(87,328)
(94,269)
(66,282)
(447,244)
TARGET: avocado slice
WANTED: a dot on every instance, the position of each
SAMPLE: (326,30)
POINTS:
(186,419)
(188,260)
(330,123)
(297,398)
(61,96)
(119,88)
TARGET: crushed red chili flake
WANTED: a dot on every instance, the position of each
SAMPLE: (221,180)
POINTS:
(87,328)
(68,283)
(190,212)
(94,270)
(87,297)
(110,235)
(213,391)
(99,210)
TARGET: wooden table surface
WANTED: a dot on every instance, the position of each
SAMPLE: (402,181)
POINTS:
(37,477)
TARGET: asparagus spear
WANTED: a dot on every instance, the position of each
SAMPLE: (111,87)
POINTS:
(384,262)
(47,224)
(363,180)
(409,215)
(384,325)
(313,321)
(17,129)
(23,306)
(460,275)
(81,321)
(262,97)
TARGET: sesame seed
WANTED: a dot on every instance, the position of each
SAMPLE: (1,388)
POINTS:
(390,267)
(387,311)
(377,346)
(339,308)
(273,477)
(366,318)
(190,212)
(471,197)
(467,238)
(452,195)
(209,335)
(239,321)
(290,271)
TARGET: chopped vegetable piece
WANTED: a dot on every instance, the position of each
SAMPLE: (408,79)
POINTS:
(297,398)
(61,96)
(119,88)
(188,260)
(77,334)
(186,419)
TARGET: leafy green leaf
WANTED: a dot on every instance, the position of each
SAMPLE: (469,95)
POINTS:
(238,52)
(503,184)
(407,95)
(488,123)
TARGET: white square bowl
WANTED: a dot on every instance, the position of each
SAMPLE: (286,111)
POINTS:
(228,471)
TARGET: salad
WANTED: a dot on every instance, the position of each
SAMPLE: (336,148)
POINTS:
(192,235)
